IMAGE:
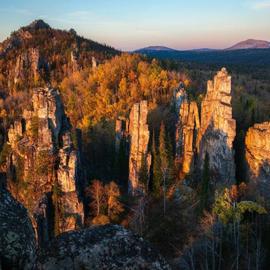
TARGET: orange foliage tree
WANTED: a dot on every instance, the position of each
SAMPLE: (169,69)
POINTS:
(113,87)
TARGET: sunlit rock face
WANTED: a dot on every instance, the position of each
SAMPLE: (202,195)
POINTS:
(218,129)
(187,128)
(17,238)
(139,139)
(74,61)
(29,64)
(103,247)
(258,155)
(43,165)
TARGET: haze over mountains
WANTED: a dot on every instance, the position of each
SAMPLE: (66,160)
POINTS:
(246,44)
(249,53)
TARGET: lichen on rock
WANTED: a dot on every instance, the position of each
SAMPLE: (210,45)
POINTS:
(17,238)
(102,247)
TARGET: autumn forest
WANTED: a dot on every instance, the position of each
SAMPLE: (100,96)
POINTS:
(131,160)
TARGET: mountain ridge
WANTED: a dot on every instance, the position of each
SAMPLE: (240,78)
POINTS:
(250,44)
(241,45)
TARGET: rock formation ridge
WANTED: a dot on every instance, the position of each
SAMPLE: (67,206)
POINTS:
(139,139)
(213,132)
(43,166)
(257,143)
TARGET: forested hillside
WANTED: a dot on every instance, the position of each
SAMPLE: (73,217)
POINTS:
(170,146)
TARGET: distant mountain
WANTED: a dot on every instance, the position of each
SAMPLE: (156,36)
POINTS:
(204,50)
(155,49)
(246,44)
(247,57)
(251,44)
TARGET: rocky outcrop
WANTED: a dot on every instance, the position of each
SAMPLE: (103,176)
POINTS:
(94,62)
(104,247)
(258,155)
(43,166)
(74,61)
(17,238)
(139,139)
(38,25)
(28,47)
(179,95)
(187,128)
(217,131)
(29,64)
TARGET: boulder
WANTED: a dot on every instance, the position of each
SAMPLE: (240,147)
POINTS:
(17,238)
(102,247)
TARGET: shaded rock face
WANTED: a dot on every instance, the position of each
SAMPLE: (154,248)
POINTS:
(17,238)
(179,96)
(121,132)
(258,155)
(186,134)
(104,247)
(43,166)
(139,139)
(218,128)
(38,24)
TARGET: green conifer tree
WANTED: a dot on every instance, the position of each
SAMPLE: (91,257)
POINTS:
(143,174)
(156,169)
(163,150)
(204,192)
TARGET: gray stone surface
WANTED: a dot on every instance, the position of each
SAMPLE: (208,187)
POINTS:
(17,238)
(103,247)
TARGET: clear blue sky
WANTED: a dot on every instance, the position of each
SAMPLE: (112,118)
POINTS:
(131,24)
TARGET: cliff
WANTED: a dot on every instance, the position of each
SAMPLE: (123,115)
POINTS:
(139,139)
(257,143)
(218,129)
(43,165)
(186,133)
